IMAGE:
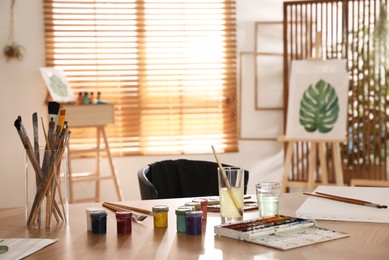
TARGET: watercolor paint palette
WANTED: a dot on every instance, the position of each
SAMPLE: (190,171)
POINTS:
(281,232)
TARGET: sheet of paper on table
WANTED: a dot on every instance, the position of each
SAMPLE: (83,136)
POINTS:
(19,248)
(324,209)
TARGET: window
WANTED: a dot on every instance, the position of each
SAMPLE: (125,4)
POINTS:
(168,67)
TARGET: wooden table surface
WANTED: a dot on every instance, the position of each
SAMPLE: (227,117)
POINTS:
(367,240)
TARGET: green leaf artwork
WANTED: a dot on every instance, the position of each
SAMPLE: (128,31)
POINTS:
(319,108)
(3,249)
(58,86)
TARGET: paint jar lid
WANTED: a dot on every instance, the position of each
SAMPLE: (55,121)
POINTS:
(123,214)
(197,205)
(183,210)
(160,208)
(98,214)
(90,210)
(194,214)
(192,208)
(202,201)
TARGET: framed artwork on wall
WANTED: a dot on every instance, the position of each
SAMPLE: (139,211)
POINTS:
(269,65)
(255,124)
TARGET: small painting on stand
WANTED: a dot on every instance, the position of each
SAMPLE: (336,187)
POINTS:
(58,86)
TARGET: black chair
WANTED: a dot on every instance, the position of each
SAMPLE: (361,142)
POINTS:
(180,179)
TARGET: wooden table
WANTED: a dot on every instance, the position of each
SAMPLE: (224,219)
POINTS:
(367,240)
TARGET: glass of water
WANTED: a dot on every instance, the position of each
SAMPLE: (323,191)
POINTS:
(268,198)
(231,194)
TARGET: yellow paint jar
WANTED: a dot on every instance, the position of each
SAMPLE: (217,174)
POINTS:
(160,213)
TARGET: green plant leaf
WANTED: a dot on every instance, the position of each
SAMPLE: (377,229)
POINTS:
(319,107)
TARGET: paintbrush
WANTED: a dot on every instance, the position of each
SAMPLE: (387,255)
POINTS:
(53,110)
(229,189)
(27,146)
(61,117)
(36,149)
(36,135)
(346,200)
(145,211)
(57,147)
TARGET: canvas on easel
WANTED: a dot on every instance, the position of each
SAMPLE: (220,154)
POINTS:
(317,102)
(317,113)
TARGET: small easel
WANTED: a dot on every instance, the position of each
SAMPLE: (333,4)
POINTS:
(315,144)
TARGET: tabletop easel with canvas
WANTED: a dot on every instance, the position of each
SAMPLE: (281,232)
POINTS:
(317,111)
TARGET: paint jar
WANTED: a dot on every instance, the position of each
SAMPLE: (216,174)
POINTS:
(88,212)
(181,218)
(160,213)
(193,222)
(203,206)
(197,205)
(190,207)
(123,222)
(99,222)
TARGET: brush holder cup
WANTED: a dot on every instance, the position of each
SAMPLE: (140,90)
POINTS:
(46,188)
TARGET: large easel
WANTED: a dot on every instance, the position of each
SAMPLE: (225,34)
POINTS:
(316,146)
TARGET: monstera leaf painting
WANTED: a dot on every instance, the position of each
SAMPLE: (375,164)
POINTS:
(319,108)
(317,102)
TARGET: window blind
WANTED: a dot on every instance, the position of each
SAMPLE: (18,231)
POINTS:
(169,67)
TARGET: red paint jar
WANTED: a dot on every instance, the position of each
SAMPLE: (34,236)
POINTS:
(123,222)
(203,206)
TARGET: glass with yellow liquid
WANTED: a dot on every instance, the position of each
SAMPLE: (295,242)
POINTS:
(231,194)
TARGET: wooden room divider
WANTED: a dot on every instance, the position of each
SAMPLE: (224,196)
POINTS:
(354,30)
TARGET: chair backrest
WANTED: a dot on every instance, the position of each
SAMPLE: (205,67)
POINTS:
(180,178)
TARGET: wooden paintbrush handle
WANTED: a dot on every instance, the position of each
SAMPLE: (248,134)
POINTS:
(346,200)
(145,211)
(339,197)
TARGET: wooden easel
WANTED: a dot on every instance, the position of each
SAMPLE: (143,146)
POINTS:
(92,116)
(315,144)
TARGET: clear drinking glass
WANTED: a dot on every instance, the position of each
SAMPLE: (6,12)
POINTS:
(231,194)
(268,198)
(46,188)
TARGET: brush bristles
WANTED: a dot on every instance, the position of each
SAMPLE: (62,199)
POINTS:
(17,124)
(53,108)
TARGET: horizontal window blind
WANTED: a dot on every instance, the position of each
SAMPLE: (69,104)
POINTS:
(169,67)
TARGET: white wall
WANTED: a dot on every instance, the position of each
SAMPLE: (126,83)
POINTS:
(22,92)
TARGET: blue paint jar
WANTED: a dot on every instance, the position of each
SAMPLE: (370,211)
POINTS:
(194,222)
(181,218)
(99,222)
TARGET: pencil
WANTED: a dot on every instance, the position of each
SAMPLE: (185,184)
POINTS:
(346,200)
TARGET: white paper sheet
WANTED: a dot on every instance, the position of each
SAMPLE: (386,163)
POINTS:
(19,248)
(319,208)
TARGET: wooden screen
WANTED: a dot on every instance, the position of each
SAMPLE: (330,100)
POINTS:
(354,30)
